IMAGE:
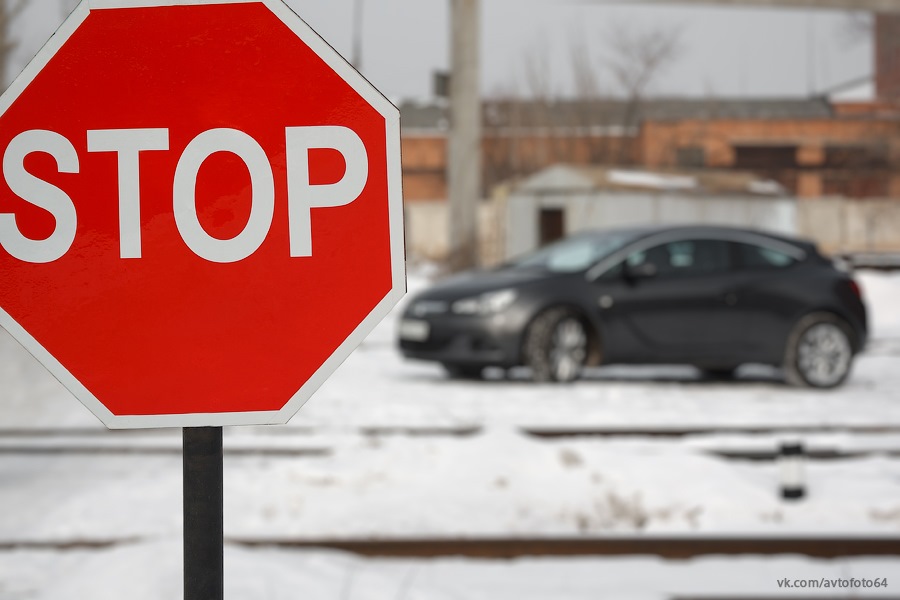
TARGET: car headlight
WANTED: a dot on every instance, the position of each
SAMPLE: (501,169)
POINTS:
(485,304)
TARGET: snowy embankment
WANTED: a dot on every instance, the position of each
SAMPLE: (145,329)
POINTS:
(351,465)
(152,571)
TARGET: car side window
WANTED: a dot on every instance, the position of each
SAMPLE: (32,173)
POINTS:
(632,260)
(751,256)
(612,273)
(684,257)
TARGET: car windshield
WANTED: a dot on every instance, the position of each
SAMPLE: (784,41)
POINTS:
(576,253)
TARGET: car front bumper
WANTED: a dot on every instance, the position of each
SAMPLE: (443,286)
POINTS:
(493,340)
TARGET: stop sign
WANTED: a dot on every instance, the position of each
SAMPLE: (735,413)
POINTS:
(200,211)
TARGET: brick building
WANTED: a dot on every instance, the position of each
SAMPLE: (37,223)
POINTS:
(855,157)
(814,147)
(887,56)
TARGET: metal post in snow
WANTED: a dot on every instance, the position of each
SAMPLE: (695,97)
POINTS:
(791,458)
(204,572)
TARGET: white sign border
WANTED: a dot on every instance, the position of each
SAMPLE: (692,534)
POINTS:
(395,217)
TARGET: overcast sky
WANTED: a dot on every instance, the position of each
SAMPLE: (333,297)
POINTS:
(726,51)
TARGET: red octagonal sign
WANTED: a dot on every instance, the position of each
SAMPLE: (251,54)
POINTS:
(200,210)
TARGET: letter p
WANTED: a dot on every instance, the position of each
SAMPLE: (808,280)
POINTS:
(303,196)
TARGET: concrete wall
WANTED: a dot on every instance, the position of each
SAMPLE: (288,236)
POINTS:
(838,225)
(427,231)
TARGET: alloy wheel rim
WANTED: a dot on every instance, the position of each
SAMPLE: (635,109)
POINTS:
(823,354)
(568,349)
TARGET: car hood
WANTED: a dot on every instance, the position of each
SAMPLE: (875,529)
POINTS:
(472,283)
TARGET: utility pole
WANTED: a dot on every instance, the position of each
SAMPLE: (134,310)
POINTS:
(464,163)
(357,34)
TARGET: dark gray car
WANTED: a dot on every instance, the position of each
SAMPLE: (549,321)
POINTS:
(714,297)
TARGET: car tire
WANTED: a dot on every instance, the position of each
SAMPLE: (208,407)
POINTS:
(456,371)
(556,346)
(819,352)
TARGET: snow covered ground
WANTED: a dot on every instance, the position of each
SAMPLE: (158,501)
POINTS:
(152,571)
(389,448)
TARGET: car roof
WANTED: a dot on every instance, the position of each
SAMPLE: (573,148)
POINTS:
(701,229)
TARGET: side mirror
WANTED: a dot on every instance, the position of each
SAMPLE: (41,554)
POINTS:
(637,272)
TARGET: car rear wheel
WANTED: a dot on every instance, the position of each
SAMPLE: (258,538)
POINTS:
(819,352)
(556,346)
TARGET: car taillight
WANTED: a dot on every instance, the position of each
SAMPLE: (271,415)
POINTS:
(856,289)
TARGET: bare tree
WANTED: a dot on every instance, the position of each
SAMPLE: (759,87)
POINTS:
(501,129)
(589,95)
(633,60)
(9,10)
(518,125)
(585,76)
(528,125)
(539,83)
(636,59)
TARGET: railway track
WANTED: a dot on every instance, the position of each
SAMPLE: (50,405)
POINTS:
(474,430)
(682,547)
(671,547)
(680,432)
(285,442)
(158,442)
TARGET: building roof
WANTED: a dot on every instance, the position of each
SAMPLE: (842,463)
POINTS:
(614,113)
(576,179)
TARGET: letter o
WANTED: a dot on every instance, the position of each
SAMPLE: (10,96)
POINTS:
(262,204)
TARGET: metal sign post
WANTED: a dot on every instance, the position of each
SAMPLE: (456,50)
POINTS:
(204,572)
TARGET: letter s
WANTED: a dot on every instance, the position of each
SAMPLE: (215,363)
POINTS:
(41,194)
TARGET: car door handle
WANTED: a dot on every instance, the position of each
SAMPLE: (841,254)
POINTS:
(730,298)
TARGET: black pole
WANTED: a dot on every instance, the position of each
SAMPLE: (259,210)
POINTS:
(791,459)
(204,572)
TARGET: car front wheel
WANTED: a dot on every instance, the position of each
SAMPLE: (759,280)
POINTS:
(819,352)
(556,346)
